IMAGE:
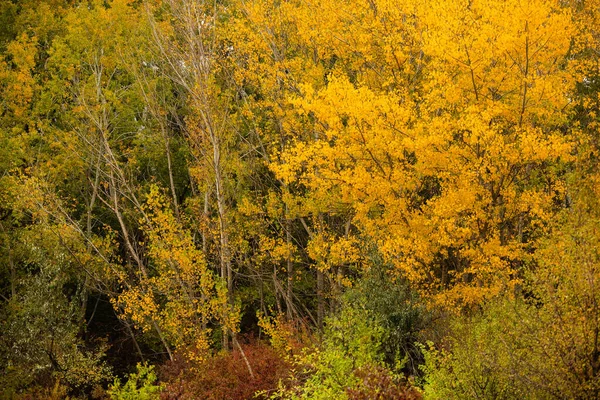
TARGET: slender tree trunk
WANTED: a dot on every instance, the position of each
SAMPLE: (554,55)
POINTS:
(13,268)
(243,354)
(135,342)
(290,266)
(205,211)
(320,298)
(225,257)
(162,339)
(320,284)
(276,290)
(170,169)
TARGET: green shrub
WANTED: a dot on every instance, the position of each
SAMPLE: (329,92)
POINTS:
(539,344)
(364,347)
(140,385)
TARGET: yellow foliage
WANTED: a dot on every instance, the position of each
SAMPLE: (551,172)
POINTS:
(433,124)
(178,292)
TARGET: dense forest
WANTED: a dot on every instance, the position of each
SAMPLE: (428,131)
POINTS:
(293,199)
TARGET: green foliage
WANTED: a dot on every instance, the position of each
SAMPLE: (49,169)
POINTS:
(141,385)
(480,361)
(42,321)
(41,343)
(376,324)
(8,11)
(350,341)
(543,343)
(399,311)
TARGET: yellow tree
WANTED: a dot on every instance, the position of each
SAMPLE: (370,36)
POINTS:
(441,125)
(163,283)
(194,55)
(271,60)
(180,294)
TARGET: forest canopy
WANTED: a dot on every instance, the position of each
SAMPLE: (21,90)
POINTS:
(237,199)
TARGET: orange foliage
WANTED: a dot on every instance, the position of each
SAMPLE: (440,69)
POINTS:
(225,376)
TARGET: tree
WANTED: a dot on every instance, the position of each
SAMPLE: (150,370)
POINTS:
(541,345)
(444,171)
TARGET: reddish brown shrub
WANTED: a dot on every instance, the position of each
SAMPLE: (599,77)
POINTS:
(377,384)
(225,376)
(54,392)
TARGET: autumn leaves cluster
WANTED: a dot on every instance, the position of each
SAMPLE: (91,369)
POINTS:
(187,173)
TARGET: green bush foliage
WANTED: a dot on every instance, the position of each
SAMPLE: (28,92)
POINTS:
(364,347)
(541,343)
(141,385)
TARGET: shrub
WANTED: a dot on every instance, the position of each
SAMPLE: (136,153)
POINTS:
(540,345)
(398,310)
(225,376)
(349,363)
(378,383)
(140,386)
